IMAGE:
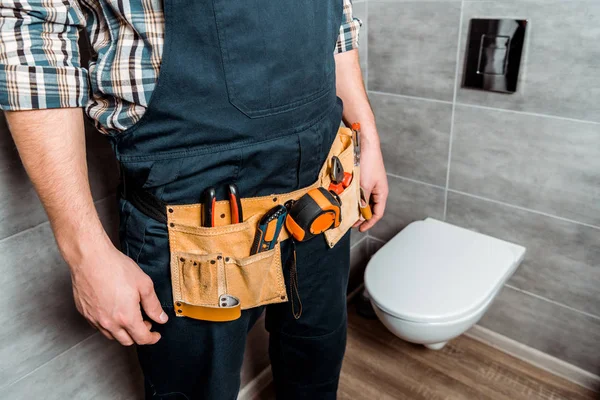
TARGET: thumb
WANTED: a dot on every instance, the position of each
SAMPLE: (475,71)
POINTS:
(151,305)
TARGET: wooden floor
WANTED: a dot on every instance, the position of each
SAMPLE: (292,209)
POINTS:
(379,366)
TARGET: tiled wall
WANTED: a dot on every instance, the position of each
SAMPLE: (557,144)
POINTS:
(522,167)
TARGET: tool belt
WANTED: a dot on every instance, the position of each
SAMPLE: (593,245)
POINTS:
(213,275)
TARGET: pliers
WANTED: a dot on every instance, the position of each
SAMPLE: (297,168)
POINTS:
(209,201)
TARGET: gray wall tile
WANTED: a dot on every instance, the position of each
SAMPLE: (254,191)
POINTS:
(20,207)
(356,236)
(415,136)
(359,257)
(407,202)
(359,10)
(412,48)
(555,330)
(94,369)
(541,163)
(375,245)
(40,321)
(562,262)
(561,74)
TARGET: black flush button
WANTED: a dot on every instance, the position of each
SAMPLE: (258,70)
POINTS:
(494,53)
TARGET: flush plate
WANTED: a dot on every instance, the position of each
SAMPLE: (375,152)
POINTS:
(494,51)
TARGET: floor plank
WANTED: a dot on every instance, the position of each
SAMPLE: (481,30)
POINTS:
(379,366)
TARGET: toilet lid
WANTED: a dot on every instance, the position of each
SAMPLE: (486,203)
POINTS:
(433,271)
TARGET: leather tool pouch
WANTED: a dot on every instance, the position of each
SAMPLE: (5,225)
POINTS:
(214,277)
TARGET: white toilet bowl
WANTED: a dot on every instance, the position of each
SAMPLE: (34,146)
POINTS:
(433,281)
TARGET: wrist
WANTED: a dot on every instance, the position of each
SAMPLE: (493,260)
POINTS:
(77,246)
(369,138)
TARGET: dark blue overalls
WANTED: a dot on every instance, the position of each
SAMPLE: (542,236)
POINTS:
(246,94)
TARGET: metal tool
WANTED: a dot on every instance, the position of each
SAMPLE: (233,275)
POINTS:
(365,207)
(340,179)
(235,204)
(268,229)
(356,141)
(337,170)
(209,201)
(312,214)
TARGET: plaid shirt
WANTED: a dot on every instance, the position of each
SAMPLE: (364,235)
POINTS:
(40,59)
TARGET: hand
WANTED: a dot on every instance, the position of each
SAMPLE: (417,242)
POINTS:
(108,288)
(373,179)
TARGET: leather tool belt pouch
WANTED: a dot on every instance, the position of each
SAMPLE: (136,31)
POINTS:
(212,273)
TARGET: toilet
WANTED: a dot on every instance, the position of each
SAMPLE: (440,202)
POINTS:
(433,281)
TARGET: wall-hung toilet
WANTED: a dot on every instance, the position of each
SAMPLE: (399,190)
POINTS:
(433,280)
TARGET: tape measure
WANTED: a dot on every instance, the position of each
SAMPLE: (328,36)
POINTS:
(312,214)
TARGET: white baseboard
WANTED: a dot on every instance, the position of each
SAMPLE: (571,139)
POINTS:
(535,357)
(256,385)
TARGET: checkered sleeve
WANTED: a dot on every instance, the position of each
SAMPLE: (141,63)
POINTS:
(39,55)
(348,38)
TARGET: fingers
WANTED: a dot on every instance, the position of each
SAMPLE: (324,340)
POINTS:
(139,330)
(150,302)
(129,330)
(377,214)
(378,207)
(123,337)
(103,331)
(106,333)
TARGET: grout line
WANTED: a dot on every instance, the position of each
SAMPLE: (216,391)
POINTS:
(378,240)
(256,385)
(26,230)
(556,303)
(532,114)
(456,71)
(506,110)
(359,241)
(350,296)
(49,361)
(403,96)
(415,181)
(525,209)
(535,357)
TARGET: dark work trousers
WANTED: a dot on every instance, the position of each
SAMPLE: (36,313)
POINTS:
(246,95)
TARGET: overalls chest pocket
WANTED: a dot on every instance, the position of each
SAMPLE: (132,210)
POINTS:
(277,56)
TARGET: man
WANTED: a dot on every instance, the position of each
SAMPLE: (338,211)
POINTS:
(246,93)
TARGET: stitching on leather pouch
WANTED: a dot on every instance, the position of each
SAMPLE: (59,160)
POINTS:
(233,228)
(177,295)
(243,261)
(275,264)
